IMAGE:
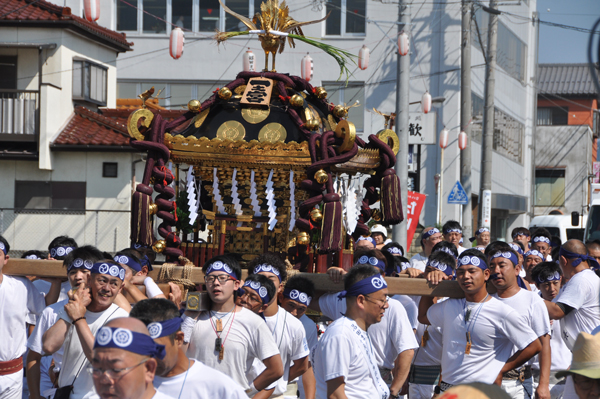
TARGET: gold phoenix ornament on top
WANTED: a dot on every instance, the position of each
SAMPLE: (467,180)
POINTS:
(273,25)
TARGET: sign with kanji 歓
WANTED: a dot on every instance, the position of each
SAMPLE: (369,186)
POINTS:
(421,128)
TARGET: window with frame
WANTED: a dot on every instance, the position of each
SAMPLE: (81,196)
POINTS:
(508,132)
(338,93)
(159,16)
(8,72)
(552,116)
(89,82)
(550,187)
(346,17)
(50,195)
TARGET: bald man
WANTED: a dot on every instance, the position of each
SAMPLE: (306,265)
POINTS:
(123,361)
(578,304)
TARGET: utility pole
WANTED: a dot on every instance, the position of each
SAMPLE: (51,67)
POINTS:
(485,197)
(402,103)
(465,114)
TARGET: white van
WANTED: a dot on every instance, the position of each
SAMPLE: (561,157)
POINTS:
(560,226)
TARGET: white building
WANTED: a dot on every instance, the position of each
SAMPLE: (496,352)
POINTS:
(435,66)
(65,168)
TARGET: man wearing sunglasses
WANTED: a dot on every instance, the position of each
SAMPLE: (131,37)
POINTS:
(124,361)
(229,337)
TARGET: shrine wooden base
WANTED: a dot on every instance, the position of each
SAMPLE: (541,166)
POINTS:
(396,285)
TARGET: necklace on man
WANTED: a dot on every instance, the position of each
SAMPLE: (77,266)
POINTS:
(469,323)
(218,329)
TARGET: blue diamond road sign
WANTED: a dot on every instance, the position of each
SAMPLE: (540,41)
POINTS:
(458,195)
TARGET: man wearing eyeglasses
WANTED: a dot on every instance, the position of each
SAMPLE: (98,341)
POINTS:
(228,337)
(124,361)
(79,320)
(252,297)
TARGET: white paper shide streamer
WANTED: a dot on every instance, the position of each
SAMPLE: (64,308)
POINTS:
(254,198)
(292,201)
(191,196)
(216,193)
(237,207)
(271,202)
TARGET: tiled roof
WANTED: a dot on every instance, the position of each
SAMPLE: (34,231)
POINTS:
(36,13)
(108,127)
(88,128)
(566,79)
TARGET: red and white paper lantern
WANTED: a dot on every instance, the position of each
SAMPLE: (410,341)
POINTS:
(306,68)
(403,45)
(249,61)
(92,10)
(176,43)
(363,57)
(462,140)
(444,138)
(426,102)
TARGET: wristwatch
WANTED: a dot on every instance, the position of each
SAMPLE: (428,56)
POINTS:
(396,396)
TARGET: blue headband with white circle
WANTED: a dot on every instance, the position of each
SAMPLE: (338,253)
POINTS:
(3,248)
(541,239)
(429,233)
(516,248)
(260,289)
(264,267)
(60,251)
(373,261)
(478,232)
(441,266)
(365,287)
(553,277)
(472,260)
(158,329)
(534,252)
(129,261)
(78,263)
(121,338)
(297,295)
(108,269)
(506,255)
(218,266)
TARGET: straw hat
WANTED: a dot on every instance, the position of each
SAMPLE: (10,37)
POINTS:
(586,357)
(475,390)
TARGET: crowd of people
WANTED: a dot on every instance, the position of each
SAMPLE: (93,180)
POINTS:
(526,326)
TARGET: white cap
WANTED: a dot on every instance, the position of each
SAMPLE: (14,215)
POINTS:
(377,228)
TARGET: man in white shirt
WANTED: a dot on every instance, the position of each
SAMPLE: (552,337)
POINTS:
(548,278)
(344,362)
(479,332)
(124,361)
(178,376)
(578,304)
(38,367)
(228,337)
(505,269)
(88,309)
(18,299)
(287,330)
(453,234)
(393,339)
(429,238)
(296,298)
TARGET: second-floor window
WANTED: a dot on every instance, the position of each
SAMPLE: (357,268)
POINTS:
(158,16)
(347,18)
(547,116)
(89,82)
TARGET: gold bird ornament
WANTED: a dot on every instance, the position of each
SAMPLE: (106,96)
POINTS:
(273,25)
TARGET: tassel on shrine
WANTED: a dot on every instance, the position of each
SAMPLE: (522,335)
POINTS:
(391,202)
(331,226)
(141,232)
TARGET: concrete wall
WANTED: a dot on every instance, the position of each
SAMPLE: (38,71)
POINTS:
(568,147)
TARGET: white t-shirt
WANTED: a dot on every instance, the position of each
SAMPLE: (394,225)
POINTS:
(18,298)
(312,338)
(412,311)
(44,287)
(247,338)
(160,395)
(418,262)
(581,293)
(390,337)
(495,329)
(290,337)
(339,354)
(561,355)
(431,353)
(74,360)
(201,382)
(47,319)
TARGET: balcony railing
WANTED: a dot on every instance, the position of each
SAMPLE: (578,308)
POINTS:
(19,115)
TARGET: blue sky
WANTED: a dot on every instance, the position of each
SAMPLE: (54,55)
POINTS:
(559,45)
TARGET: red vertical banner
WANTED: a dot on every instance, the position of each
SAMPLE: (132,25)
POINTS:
(413,213)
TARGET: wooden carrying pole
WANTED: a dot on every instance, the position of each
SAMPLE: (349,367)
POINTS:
(396,285)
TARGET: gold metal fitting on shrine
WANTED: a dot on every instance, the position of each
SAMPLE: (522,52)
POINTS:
(297,100)
(376,215)
(340,111)
(316,215)
(152,208)
(194,105)
(321,93)
(312,124)
(321,176)
(303,238)
(225,93)
(159,246)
